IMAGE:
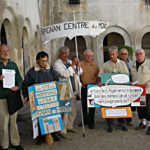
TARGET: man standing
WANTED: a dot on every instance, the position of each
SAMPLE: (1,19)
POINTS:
(140,71)
(8,126)
(89,76)
(66,71)
(114,65)
(40,73)
(123,53)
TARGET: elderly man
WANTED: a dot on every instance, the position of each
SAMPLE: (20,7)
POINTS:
(40,73)
(114,65)
(123,53)
(140,71)
(8,126)
(89,76)
(66,71)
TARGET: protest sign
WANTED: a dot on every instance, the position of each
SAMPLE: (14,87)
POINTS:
(71,29)
(114,78)
(141,101)
(46,107)
(118,112)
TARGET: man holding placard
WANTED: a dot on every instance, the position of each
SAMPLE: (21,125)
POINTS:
(40,73)
(140,71)
(10,82)
(114,65)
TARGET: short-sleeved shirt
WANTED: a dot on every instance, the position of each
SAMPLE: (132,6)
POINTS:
(90,73)
(111,67)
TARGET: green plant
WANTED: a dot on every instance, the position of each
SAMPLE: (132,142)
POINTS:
(130,50)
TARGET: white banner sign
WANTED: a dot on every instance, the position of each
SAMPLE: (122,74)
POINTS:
(114,95)
(72,29)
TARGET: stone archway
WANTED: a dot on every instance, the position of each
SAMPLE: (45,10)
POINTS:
(112,39)
(71,45)
(100,41)
(3,37)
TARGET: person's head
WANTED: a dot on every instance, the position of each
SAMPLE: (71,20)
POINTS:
(88,56)
(63,53)
(42,59)
(113,53)
(140,55)
(4,52)
(123,53)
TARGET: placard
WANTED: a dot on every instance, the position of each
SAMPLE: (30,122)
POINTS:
(118,112)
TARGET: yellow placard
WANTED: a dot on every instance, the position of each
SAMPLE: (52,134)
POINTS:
(118,112)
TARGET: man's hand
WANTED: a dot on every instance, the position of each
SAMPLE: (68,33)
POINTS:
(1,77)
(25,100)
(147,84)
(15,88)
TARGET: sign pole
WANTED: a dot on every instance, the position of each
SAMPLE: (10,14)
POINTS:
(76,46)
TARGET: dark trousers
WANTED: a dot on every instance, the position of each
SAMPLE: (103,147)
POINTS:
(110,122)
(144,112)
(88,118)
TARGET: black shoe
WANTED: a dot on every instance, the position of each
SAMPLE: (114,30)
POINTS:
(39,140)
(110,129)
(80,124)
(141,126)
(91,126)
(56,137)
(3,148)
(19,147)
(124,128)
(148,131)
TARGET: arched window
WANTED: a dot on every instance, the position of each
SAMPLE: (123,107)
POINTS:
(74,2)
(3,35)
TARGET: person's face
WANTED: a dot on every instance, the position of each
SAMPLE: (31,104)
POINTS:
(88,57)
(64,55)
(42,62)
(113,56)
(4,52)
(140,55)
(124,55)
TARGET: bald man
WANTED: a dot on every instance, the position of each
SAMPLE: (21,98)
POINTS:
(140,71)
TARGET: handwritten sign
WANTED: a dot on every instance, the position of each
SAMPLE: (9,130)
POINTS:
(73,28)
(114,95)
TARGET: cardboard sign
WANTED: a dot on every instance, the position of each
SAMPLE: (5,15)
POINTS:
(46,107)
(118,112)
(113,78)
(113,95)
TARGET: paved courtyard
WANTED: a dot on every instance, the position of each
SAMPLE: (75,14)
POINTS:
(97,138)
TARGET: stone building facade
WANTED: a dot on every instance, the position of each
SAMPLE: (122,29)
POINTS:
(21,21)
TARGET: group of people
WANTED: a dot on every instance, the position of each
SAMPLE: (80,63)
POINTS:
(79,75)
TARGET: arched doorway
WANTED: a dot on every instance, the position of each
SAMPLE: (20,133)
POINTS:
(3,37)
(26,50)
(71,45)
(111,39)
(146,43)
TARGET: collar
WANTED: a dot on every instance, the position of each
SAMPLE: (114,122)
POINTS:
(134,64)
(92,63)
(38,68)
(118,61)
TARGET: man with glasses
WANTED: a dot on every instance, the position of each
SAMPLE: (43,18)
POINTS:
(140,71)
(8,126)
(40,73)
(123,53)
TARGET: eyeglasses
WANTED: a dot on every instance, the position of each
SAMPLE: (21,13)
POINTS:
(4,51)
(123,54)
(139,53)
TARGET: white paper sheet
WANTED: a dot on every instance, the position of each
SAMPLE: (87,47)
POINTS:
(9,78)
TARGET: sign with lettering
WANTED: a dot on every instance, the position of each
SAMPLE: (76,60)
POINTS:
(71,29)
(45,103)
(113,78)
(113,95)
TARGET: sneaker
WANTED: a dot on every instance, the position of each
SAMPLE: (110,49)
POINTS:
(148,131)
(56,137)
(73,130)
(124,128)
(39,140)
(19,147)
(49,139)
(65,136)
(141,126)
(110,129)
